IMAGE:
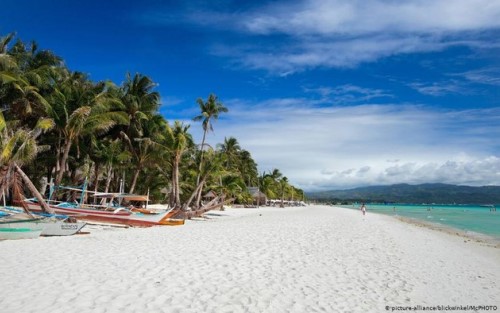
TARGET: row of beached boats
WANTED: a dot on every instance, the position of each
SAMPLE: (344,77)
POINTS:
(30,221)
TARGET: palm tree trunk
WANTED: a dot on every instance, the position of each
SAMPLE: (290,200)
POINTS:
(3,178)
(33,190)
(62,165)
(172,202)
(172,195)
(108,178)
(198,197)
(96,181)
(134,180)
(215,203)
(175,182)
(201,157)
(195,192)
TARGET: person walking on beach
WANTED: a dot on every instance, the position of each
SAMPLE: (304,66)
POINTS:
(363,209)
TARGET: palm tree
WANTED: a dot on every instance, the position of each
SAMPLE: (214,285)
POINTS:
(213,168)
(18,148)
(283,187)
(114,155)
(210,110)
(230,149)
(275,174)
(267,186)
(179,141)
(8,64)
(80,108)
(231,186)
(247,168)
(140,102)
(35,71)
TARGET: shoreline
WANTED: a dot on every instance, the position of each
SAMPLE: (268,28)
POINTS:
(439,227)
(298,259)
(477,237)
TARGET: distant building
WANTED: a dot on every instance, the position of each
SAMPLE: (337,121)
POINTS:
(210,195)
(259,198)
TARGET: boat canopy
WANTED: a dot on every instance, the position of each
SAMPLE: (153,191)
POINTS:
(125,196)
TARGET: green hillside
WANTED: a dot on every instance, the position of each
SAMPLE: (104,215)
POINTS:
(424,193)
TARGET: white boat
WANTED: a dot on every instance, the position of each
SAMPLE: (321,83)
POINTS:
(62,228)
(21,226)
(55,225)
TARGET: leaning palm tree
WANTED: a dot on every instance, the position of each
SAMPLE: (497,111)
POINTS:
(212,169)
(210,111)
(18,148)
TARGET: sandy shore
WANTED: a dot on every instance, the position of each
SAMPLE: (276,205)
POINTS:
(311,259)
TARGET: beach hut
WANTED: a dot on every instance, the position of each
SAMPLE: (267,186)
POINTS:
(259,198)
(210,195)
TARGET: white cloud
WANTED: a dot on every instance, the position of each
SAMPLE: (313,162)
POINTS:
(347,94)
(338,147)
(328,17)
(487,76)
(344,33)
(439,88)
(293,36)
(285,58)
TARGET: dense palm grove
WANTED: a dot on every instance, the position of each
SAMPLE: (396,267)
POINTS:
(58,125)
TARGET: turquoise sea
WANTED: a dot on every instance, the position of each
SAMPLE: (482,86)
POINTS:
(469,218)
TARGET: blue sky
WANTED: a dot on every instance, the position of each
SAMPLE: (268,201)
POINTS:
(334,93)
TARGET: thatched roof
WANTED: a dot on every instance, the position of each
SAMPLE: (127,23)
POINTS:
(210,195)
(255,192)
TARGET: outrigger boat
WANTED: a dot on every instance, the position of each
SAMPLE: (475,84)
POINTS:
(55,224)
(110,212)
(20,226)
(119,215)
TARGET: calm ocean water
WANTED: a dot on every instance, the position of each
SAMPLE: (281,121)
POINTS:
(469,218)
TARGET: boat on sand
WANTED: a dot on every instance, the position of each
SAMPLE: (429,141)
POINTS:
(20,226)
(111,215)
(55,224)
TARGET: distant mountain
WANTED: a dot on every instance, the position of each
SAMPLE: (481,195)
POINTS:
(424,193)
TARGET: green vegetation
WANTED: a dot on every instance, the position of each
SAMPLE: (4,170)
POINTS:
(76,128)
(404,193)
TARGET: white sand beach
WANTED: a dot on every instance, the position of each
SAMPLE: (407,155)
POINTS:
(308,259)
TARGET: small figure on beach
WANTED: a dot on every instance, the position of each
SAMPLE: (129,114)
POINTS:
(363,209)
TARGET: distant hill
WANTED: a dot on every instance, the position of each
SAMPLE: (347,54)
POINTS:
(424,193)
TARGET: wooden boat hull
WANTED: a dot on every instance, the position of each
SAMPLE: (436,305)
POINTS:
(135,220)
(113,217)
(173,222)
(21,229)
(76,211)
